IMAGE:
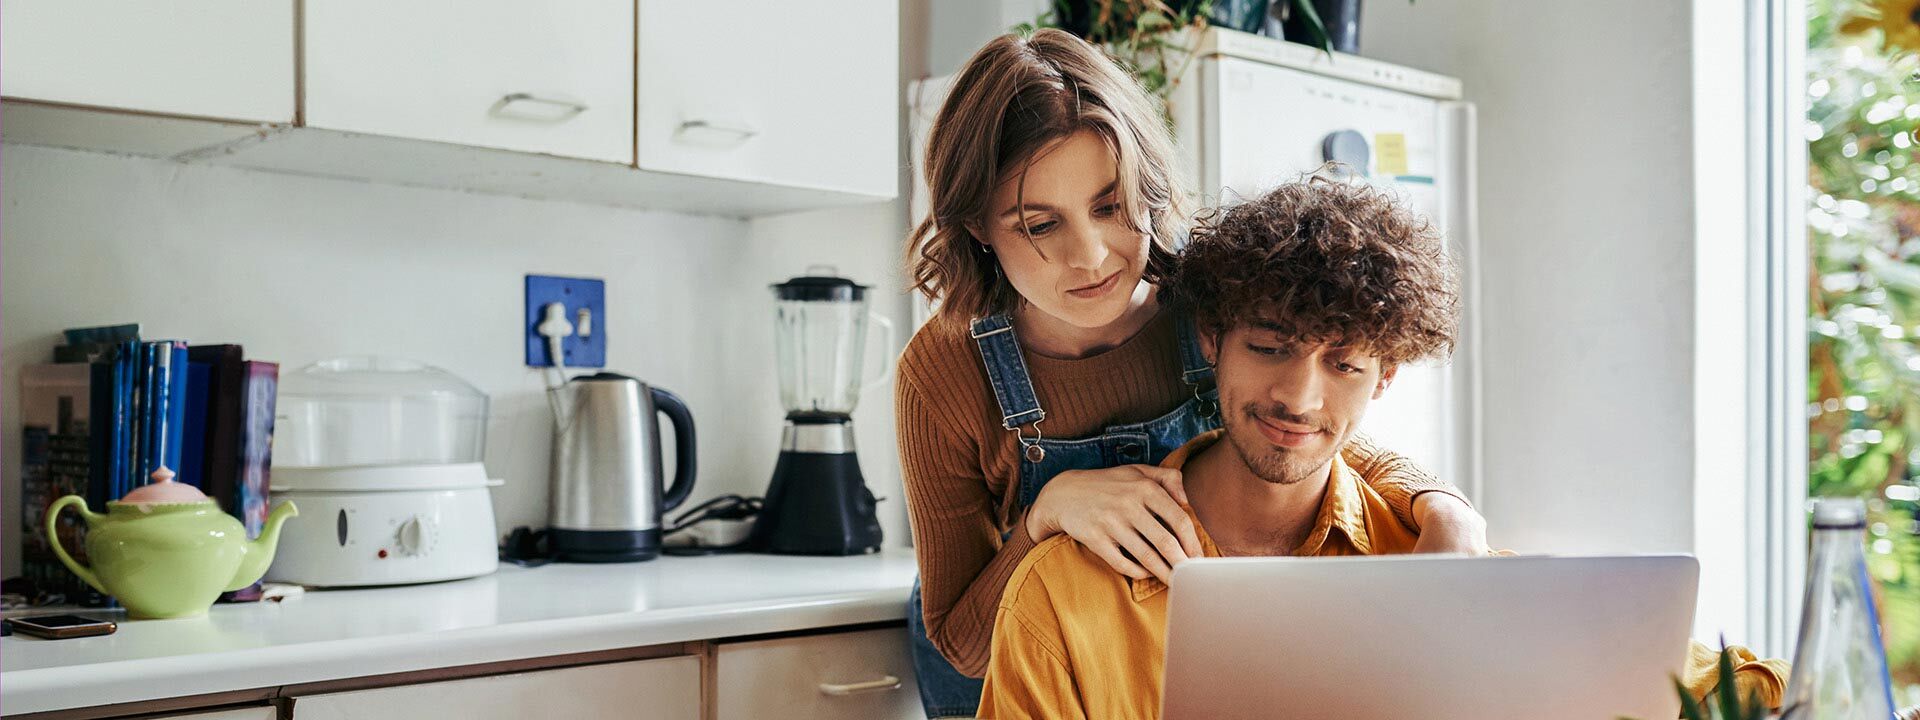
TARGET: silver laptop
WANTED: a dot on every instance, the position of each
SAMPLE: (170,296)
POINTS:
(1440,638)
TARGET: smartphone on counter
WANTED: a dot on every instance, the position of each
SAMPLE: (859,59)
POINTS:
(58,627)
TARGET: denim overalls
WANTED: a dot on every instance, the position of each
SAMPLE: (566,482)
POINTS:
(944,692)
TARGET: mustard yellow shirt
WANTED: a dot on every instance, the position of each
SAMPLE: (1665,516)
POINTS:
(1074,639)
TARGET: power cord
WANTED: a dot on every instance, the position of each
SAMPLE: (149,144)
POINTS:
(554,327)
(724,507)
(527,547)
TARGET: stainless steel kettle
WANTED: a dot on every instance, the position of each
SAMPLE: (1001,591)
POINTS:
(609,488)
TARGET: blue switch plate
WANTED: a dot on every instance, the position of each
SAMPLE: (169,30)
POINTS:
(575,293)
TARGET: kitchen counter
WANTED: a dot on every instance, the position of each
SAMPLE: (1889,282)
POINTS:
(514,614)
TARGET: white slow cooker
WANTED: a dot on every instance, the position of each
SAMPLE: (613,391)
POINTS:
(383,457)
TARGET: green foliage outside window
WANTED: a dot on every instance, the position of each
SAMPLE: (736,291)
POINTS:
(1863,225)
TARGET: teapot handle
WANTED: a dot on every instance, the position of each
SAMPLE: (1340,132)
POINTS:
(53,536)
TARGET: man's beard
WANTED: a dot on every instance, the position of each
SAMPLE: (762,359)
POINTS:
(1278,465)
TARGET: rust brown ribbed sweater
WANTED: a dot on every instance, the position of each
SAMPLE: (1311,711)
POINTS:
(959,464)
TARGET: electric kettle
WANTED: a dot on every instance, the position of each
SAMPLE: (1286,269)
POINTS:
(609,488)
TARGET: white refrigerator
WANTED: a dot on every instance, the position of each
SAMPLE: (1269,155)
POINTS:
(1252,112)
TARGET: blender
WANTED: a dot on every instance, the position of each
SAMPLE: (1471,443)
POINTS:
(818,502)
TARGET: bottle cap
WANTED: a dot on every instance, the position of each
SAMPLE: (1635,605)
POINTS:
(1839,513)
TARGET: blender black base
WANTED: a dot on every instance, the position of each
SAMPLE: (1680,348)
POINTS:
(604,546)
(818,504)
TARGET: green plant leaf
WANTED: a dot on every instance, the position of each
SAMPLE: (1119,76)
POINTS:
(1688,709)
(1318,29)
(1728,692)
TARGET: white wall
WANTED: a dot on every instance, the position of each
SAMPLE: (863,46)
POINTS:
(298,269)
(1611,272)
(1587,256)
(958,29)
(1723,462)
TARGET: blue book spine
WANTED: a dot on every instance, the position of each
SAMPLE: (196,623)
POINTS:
(137,400)
(158,413)
(194,432)
(145,415)
(174,404)
(117,471)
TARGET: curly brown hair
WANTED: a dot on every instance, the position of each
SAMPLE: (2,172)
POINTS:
(1323,260)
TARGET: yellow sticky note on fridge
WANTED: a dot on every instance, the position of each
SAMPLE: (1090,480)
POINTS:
(1390,153)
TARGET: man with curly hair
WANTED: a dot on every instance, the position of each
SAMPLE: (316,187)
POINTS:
(1308,300)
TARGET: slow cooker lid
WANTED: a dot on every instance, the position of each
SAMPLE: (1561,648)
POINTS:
(380,478)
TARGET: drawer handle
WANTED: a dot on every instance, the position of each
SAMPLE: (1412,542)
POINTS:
(556,110)
(882,685)
(706,132)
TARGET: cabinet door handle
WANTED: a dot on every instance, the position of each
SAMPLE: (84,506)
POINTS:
(514,106)
(707,132)
(882,685)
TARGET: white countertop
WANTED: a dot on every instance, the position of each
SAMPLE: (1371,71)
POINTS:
(514,614)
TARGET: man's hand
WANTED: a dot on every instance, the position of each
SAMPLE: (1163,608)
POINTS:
(1447,525)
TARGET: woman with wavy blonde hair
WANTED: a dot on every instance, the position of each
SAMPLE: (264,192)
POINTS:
(1050,381)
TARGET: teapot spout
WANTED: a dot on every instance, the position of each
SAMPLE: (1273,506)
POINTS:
(259,552)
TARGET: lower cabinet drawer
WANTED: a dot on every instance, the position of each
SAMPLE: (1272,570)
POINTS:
(853,675)
(663,689)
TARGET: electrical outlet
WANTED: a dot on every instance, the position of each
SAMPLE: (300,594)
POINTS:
(576,294)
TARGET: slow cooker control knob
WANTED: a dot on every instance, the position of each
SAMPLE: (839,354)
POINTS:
(415,535)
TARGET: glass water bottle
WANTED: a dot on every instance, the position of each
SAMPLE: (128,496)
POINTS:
(1839,666)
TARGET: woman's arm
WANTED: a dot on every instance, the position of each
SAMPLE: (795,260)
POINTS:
(1431,506)
(964,565)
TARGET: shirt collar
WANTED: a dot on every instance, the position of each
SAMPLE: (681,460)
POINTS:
(1342,509)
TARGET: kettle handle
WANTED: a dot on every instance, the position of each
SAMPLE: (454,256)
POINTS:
(683,447)
(53,536)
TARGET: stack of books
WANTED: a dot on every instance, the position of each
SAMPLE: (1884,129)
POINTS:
(112,409)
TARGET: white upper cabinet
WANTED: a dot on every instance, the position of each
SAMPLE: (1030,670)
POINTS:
(222,59)
(551,78)
(785,93)
(735,108)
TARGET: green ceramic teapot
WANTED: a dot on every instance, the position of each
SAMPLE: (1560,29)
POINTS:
(165,550)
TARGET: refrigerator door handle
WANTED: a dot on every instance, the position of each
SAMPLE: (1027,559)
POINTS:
(1460,202)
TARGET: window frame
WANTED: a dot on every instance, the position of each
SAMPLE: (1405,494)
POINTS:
(1777,321)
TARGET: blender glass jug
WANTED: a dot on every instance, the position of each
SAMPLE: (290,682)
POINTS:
(820,336)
